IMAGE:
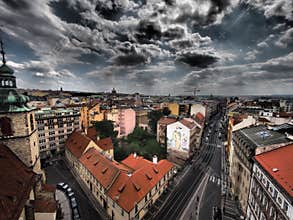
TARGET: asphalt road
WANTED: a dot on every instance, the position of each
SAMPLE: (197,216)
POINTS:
(180,196)
(212,194)
(58,172)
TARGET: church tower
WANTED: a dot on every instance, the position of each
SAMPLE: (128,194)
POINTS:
(18,128)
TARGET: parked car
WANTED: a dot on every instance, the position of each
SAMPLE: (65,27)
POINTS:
(75,214)
(73,202)
(60,185)
(71,194)
(68,190)
(64,187)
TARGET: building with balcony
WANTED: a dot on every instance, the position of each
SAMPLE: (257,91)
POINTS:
(271,186)
(54,126)
(247,143)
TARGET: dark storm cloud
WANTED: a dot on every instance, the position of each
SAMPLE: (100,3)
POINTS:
(130,59)
(17,4)
(111,42)
(197,60)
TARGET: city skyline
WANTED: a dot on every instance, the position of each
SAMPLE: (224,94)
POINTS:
(222,47)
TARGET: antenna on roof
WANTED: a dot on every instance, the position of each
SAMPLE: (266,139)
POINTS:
(2,51)
(2,47)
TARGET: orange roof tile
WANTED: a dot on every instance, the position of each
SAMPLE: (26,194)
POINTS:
(16,182)
(105,143)
(77,143)
(135,162)
(44,205)
(49,187)
(130,190)
(99,166)
(92,133)
(280,158)
(187,123)
(166,120)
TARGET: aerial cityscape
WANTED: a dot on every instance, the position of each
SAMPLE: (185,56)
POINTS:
(146,109)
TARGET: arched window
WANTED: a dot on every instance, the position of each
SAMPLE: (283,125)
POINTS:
(32,122)
(6,127)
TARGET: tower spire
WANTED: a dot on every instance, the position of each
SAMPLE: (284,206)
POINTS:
(2,52)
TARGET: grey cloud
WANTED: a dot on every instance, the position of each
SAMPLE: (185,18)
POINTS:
(286,39)
(196,59)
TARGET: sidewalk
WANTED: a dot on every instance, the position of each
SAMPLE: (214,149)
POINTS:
(89,195)
(65,205)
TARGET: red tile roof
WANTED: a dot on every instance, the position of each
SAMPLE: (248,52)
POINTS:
(187,123)
(135,162)
(77,143)
(16,182)
(199,118)
(44,205)
(49,188)
(92,133)
(280,158)
(127,182)
(99,166)
(129,190)
(105,143)
(166,121)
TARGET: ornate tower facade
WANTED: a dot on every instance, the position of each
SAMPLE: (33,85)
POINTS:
(18,129)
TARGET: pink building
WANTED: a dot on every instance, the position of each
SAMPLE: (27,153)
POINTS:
(124,120)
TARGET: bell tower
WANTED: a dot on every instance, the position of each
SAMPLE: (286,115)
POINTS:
(18,128)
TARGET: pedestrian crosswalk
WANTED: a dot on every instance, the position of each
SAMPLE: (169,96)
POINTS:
(215,179)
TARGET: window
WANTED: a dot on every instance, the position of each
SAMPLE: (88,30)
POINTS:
(122,212)
(6,126)
(285,206)
(32,122)
(136,208)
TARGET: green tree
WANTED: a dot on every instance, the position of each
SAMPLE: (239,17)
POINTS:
(154,117)
(105,129)
(166,111)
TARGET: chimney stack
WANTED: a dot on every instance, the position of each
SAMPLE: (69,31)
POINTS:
(134,155)
(155,159)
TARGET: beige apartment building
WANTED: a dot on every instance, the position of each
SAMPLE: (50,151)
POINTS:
(54,126)
(247,143)
(125,190)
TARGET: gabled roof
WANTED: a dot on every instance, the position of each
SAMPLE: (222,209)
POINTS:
(278,164)
(77,143)
(129,190)
(44,205)
(199,118)
(92,133)
(135,162)
(166,120)
(187,123)
(100,167)
(105,143)
(16,182)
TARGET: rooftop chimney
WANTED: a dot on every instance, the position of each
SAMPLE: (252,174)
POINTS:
(155,159)
(134,155)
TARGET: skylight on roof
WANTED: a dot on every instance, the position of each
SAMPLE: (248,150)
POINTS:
(264,134)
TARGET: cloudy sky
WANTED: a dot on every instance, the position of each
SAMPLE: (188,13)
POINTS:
(227,47)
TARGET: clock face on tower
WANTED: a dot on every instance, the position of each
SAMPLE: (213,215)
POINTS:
(6,126)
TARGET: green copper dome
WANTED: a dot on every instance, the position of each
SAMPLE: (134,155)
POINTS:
(11,99)
(5,70)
